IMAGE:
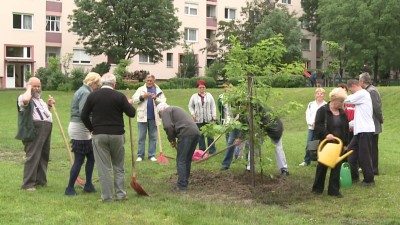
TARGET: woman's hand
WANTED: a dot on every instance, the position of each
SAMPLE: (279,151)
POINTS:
(330,137)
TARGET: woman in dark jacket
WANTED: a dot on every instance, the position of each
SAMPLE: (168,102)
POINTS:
(331,121)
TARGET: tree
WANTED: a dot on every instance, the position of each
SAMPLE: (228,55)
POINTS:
(310,18)
(122,29)
(280,21)
(262,60)
(368,30)
(189,64)
(262,20)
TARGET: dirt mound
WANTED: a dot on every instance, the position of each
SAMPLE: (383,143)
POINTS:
(228,185)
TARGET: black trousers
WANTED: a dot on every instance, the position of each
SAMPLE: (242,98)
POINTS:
(375,139)
(361,144)
(334,179)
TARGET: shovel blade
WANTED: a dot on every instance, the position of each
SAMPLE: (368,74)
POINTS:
(137,187)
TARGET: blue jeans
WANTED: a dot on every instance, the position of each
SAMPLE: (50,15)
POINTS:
(202,141)
(151,127)
(186,146)
(307,157)
(226,162)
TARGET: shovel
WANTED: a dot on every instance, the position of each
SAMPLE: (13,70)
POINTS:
(134,184)
(79,181)
(217,153)
(162,160)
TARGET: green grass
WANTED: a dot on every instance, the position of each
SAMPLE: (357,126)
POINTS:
(287,203)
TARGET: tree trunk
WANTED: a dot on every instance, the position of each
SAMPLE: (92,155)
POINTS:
(251,131)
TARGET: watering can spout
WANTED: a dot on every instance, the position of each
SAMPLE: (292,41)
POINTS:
(329,153)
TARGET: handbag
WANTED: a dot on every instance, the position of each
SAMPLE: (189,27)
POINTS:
(312,147)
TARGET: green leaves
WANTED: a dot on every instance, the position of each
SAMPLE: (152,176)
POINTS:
(124,28)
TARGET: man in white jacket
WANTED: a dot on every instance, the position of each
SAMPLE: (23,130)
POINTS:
(144,96)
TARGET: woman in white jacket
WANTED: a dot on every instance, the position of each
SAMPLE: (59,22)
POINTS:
(203,110)
(310,118)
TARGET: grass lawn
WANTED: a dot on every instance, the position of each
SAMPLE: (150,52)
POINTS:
(214,196)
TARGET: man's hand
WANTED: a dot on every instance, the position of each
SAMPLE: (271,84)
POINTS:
(173,144)
(51,101)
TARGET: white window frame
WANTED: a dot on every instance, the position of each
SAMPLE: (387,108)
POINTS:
(289,2)
(170,62)
(26,53)
(191,9)
(143,58)
(24,24)
(230,13)
(80,57)
(189,34)
(53,23)
(303,46)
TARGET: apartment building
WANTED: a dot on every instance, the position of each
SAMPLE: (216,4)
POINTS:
(34,30)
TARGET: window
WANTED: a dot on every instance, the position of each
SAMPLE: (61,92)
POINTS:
(143,58)
(169,60)
(191,9)
(305,44)
(18,52)
(53,23)
(230,14)
(190,34)
(22,21)
(287,1)
(211,11)
(305,24)
(80,56)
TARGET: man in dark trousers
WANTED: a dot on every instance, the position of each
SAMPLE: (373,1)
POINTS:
(179,125)
(106,107)
(364,129)
(34,130)
(366,83)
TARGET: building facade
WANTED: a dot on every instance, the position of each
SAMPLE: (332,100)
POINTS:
(34,30)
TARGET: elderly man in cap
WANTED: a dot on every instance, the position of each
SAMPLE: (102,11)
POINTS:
(183,134)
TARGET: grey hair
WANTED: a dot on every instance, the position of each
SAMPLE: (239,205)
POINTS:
(352,82)
(365,77)
(152,76)
(108,79)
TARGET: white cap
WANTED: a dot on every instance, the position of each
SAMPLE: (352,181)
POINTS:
(161,106)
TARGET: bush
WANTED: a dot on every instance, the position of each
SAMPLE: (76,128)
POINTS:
(101,68)
(216,70)
(77,77)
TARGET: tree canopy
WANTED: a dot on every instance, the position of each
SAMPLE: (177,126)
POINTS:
(122,29)
(368,31)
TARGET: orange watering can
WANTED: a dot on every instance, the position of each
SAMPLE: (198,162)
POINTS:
(329,153)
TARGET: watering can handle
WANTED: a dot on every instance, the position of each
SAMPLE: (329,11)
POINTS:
(325,140)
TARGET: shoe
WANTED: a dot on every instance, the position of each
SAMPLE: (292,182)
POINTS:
(153,159)
(304,164)
(316,192)
(284,173)
(121,199)
(224,168)
(89,188)
(177,189)
(70,191)
(31,189)
(367,184)
(337,195)
(139,159)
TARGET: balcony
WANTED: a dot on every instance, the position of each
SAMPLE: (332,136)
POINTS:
(211,23)
(53,39)
(320,54)
(53,6)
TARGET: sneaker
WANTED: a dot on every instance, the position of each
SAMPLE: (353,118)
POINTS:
(89,188)
(139,159)
(177,189)
(304,164)
(31,189)
(121,199)
(284,173)
(70,191)
(153,159)
(224,168)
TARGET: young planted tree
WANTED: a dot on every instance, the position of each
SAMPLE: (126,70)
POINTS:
(262,60)
(122,29)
